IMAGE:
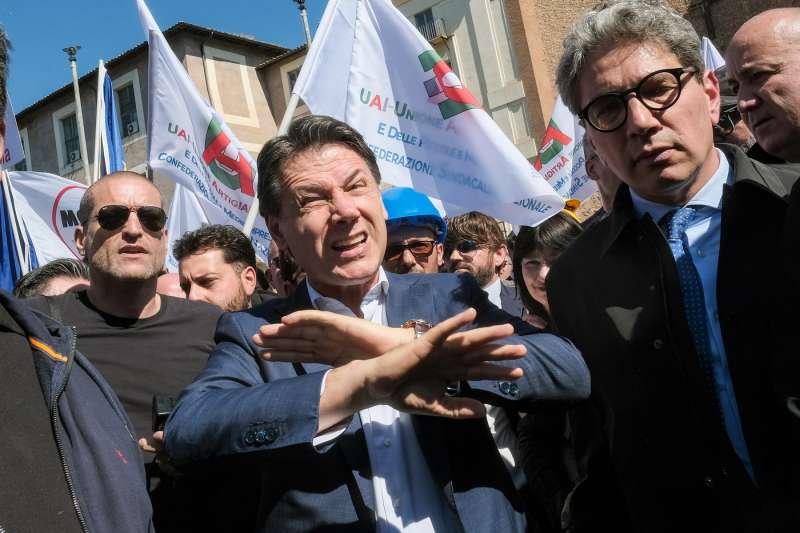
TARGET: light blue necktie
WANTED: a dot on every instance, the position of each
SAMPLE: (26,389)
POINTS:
(674,224)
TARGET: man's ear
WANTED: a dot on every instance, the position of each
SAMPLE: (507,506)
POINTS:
(500,256)
(711,88)
(249,280)
(440,254)
(80,241)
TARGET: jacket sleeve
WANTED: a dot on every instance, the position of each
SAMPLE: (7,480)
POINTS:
(238,406)
(553,367)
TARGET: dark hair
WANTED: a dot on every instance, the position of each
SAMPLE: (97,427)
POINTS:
(313,131)
(35,282)
(87,200)
(474,226)
(5,46)
(551,237)
(236,247)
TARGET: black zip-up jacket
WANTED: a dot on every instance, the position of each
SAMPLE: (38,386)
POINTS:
(101,461)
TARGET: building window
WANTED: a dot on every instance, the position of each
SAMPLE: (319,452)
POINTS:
(128,100)
(128,114)
(292,76)
(425,24)
(72,147)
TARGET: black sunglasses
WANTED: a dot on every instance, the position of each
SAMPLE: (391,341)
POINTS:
(417,249)
(464,247)
(113,217)
(658,91)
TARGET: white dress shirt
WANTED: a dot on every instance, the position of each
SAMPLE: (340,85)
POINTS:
(406,497)
(499,424)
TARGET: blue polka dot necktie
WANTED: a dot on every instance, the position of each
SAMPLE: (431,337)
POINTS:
(674,225)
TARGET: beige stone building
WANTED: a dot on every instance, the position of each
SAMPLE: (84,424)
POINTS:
(505,51)
(222,66)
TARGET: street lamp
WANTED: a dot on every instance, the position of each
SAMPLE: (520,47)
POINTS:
(72,53)
(301,5)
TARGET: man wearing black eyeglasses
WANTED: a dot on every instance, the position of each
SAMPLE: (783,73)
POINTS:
(668,297)
(144,343)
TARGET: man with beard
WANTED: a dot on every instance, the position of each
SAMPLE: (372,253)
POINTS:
(415,232)
(475,244)
(217,264)
(144,343)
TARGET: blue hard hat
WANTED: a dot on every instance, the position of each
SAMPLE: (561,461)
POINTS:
(407,206)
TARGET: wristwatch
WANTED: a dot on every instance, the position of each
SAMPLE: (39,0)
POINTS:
(419,326)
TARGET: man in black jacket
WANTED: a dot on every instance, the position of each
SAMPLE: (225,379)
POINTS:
(69,461)
(669,297)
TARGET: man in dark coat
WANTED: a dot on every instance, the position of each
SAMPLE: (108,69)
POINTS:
(669,297)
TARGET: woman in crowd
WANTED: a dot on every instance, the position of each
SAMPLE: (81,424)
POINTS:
(561,448)
(535,250)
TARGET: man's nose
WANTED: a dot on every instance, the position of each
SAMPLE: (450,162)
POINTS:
(132,226)
(408,258)
(343,206)
(640,118)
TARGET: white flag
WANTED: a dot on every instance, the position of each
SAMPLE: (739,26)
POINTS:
(369,66)
(48,207)
(561,160)
(185,214)
(711,56)
(14,153)
(189,142)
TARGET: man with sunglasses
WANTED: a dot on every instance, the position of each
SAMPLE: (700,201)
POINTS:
(475,245)
(144,343)
(653,295)
(415,232)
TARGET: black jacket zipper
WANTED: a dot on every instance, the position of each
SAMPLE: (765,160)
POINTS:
(54,420)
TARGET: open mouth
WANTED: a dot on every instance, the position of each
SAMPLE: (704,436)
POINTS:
(351,243)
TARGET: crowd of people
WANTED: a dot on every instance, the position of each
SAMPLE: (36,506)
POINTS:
(393,370)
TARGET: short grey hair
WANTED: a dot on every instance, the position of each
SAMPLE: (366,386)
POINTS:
(87,200)
(309,132)
(624,22)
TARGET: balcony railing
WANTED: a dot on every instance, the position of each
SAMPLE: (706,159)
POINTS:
(433,31)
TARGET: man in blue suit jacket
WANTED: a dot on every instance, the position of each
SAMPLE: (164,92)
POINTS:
(340,446)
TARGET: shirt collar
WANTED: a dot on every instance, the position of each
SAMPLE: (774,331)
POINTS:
(709,196)
(380,289)
(493,291)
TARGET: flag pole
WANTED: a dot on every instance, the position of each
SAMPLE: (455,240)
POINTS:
(250,221)
(98,121)
(12,215)
(72,52)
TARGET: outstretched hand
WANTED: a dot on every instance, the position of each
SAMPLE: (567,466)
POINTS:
(413,377)
(332,339)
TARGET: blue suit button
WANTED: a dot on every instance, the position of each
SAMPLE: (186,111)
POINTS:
(513,389)
(271,434)
(250,438)
(261,436)
(505,387)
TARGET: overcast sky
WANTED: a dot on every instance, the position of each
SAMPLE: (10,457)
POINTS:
(40,29)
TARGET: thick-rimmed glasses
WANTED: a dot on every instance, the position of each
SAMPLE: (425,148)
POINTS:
(657,91)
